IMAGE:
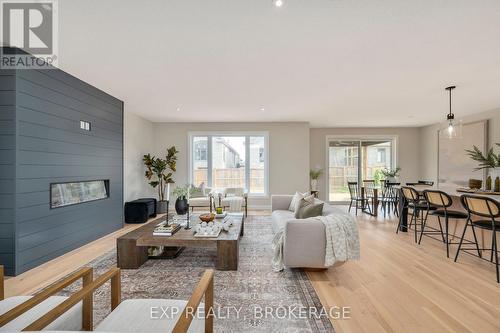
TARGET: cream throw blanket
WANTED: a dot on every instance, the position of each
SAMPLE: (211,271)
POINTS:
(342,241)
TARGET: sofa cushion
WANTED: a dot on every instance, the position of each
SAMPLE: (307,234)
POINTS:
(307,209)
(71,320)
(149,316)
(279,219)
(295,200)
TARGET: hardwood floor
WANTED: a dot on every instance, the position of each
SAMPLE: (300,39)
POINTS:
(397,286)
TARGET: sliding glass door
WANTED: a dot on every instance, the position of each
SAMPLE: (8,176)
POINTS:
(355,161)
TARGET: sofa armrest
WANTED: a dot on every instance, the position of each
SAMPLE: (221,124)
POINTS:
(281,202)
(305,243)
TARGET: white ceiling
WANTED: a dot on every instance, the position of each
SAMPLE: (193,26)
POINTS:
(329,62)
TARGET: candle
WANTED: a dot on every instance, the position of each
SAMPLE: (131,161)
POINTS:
(168,191)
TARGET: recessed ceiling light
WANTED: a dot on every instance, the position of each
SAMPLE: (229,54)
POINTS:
(262,109)
(278,3)
(178,109)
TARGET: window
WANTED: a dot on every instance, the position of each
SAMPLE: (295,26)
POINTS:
(234,160)
(355,160)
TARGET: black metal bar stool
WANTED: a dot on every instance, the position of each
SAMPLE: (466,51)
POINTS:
(442,201)
(418,207)
(488,213)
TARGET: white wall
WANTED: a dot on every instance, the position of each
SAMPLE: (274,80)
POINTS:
(288,151)
(407,149)
(429,141)
(138,139)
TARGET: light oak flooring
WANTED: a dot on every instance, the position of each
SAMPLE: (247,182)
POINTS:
(397,286)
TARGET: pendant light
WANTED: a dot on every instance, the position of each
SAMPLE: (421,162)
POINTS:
(453,128)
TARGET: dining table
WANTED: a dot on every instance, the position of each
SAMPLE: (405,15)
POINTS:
(454,191)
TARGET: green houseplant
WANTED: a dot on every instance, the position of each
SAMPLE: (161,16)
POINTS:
(489,160)
(159,173)
(314,176)
(391,174)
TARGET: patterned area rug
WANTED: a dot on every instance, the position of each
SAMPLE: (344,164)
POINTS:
(253,288)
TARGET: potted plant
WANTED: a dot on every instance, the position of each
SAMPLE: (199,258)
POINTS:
(181,203)
(314,175)
(159,172)
(489,161)
(391,174)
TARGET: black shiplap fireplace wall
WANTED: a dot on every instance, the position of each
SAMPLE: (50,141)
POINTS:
(41,142)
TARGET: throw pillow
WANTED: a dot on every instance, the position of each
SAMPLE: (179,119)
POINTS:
(295,200)
(307,208)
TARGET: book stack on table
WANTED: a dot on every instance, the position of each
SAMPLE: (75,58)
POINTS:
(166,230)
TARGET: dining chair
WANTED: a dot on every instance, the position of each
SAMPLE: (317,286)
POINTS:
(420,209)
(389,197)
(355,197)
(369,189)
(442,201)
(487,212)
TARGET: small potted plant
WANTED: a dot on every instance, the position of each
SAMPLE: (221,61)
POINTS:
(181,203)
(391,175)
(314,175)
(159,173)
(489,161)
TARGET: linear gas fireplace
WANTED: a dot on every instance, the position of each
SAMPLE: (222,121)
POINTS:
(73,193)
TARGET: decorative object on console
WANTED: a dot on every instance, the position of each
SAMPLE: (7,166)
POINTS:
(314,175)
(488,183)
(159,173)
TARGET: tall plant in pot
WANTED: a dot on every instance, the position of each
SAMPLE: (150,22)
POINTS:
(391,175)
(489,161)
(314,175)
(159,173)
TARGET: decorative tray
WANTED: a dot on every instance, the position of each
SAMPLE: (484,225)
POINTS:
(200,235)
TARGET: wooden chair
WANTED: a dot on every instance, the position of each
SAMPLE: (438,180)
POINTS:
(487,212)
(389,197)
(442,201)
(355,197)
(134,315)
(22,310)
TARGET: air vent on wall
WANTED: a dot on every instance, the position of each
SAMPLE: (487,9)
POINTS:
(84,125)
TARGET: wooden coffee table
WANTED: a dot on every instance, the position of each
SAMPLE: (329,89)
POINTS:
(132,248)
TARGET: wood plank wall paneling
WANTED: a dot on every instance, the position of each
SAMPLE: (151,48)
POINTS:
(42,143)
(7,169)
(52,148)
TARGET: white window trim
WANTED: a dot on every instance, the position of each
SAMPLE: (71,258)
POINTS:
(373,137)
(246,134)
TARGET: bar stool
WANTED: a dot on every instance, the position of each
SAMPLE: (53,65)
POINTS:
(442,201)
(418,206)
(488,212)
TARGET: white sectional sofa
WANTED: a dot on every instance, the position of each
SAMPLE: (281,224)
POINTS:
(305,240)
